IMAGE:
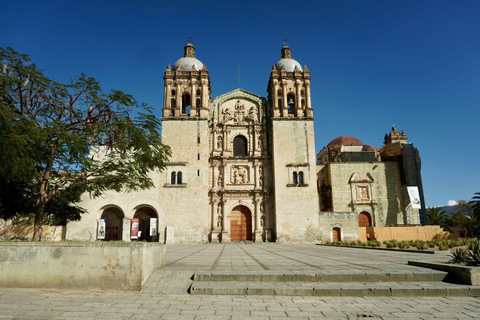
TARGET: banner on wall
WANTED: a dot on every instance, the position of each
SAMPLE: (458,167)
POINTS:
(414,197)
(134,230)
(153,227)
(102,226)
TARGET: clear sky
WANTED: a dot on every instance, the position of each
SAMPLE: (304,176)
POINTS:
(374,64)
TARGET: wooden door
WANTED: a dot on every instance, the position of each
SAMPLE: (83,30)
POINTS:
(364,219)
(241,224)
(337,236)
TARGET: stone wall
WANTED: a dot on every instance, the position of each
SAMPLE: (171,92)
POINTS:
(100,265)
(346,221)
(386,201)
(296,206)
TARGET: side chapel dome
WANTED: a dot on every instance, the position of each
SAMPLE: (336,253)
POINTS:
(188,61)
(337,143)
(287,62)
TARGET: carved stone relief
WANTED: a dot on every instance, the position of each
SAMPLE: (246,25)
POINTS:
(362,193)
(240,175)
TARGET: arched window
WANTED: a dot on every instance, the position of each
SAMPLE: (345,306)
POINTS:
(198,92)
(174,93)
(173,177)
(199,103)
(303,103)
(300,177)
(179,177)
(240,147)
(186,103)
(280,103)
(291,104)
(302,92)
(279,92)
(172,103)
(295,178)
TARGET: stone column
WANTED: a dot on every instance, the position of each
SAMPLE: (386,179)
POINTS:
(126,230)
(214,174)
(284,102)
(308,111)
(178,101)
(204,93)
(193,101)
(258,226)
(215,230)
(166,100)
(225,224)
(298,100)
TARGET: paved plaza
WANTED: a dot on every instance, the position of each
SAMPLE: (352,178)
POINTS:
(165,296)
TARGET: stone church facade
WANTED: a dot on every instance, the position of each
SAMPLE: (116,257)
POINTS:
(243,167)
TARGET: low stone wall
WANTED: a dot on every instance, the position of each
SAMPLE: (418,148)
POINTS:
(99,265)
(462,274)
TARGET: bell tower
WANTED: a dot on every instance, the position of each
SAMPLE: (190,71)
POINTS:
(293,151)
(184,181)
(289,88)
(187,87)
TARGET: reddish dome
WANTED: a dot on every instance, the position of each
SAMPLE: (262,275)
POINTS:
(345,141)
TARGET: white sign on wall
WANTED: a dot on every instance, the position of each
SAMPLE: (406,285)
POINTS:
(102,225)
(153,227)
(414,197)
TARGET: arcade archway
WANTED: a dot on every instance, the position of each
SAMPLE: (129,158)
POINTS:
(114,223)
(144,214)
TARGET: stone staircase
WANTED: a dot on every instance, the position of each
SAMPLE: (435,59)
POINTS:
(420,282)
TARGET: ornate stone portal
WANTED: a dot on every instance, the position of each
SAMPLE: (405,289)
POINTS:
(239,181)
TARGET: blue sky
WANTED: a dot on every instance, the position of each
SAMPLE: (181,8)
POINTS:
(414,64)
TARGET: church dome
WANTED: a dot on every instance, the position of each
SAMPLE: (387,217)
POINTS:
(188,61)
(287,62)
(344,141)
(185,64)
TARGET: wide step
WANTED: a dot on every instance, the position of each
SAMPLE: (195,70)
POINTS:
(344,289)
(419,276)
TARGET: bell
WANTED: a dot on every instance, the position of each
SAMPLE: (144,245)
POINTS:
(290,101)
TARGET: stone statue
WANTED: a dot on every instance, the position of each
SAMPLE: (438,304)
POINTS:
(236,175)
(227,115)
(219,181)
(219,142)
(219,215)
(253,113)
(243,174)
(259,142)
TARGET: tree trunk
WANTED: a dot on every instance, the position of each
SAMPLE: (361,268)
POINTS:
(38,227)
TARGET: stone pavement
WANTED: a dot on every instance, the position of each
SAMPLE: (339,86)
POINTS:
(165,295)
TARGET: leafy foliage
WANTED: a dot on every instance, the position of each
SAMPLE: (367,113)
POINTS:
(436,216)
(63,137)
(459,255)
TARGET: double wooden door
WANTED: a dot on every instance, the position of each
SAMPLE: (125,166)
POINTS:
(241,224)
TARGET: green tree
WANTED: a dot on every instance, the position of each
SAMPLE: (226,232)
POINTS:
(466,217)
(475,202)
(436,216)
(69,137)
